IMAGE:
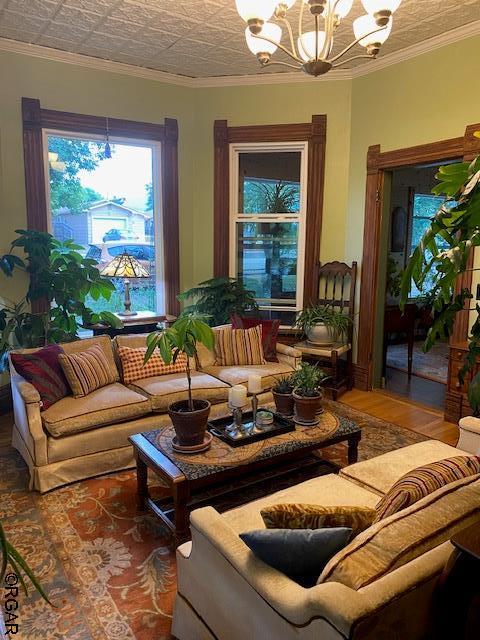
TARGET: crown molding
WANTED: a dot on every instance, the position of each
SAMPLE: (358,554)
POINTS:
(454,35)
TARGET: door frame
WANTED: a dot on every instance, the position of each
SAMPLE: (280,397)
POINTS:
(378,162)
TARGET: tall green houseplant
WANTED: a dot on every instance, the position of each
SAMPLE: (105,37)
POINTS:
(456,224)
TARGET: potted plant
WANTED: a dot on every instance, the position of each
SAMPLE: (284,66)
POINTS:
(218,299)
(307,392)
(283,395)
(189,417)
(322,325)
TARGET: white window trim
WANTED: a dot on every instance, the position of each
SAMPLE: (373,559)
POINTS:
(156,148)
(269,147)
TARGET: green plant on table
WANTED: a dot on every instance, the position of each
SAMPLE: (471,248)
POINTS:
(284,384)
(307,380)
(218,299)
(60,279)
(456,225)
(181,337)
(323,314)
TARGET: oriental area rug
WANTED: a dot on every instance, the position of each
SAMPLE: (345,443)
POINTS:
(109,570)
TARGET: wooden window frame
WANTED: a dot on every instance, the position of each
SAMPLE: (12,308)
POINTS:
(314,133)
(378,162)
(37,119)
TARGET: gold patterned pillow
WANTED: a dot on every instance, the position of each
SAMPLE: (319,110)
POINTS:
(86,370)
(313,516)
(239,347)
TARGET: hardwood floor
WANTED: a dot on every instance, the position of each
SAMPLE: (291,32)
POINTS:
(407,414)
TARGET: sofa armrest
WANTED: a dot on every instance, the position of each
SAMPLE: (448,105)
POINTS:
(28,421)
(335,602)
(289,355)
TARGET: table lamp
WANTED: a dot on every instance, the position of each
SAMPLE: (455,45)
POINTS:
(125,266)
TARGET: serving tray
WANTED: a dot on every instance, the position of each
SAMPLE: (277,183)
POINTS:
(218,428)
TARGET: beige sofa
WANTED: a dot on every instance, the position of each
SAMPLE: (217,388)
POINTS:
(79,438)
(226,593)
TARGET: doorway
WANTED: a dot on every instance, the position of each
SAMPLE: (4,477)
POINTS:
(401,366)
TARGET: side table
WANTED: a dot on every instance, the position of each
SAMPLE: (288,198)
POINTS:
(342,376)
(458,598)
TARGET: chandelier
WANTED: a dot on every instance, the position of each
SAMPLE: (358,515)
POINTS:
(313,50)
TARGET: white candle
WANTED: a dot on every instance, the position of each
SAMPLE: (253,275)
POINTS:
(254,383)
(238,396)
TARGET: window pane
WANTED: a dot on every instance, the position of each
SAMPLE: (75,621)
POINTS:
(269,182)
(267,256)
(106,205)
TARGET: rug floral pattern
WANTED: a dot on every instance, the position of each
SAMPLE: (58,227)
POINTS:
(109,570)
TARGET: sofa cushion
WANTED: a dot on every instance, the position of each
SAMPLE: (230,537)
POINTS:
(163,390)
(406,535)
(108,405)
(86,370)
(324,490)
(134,368)
(380,473)
(239,375)
(422,481)
(313,516)
(300,554)
(239,346)
(269,333)
(103,342)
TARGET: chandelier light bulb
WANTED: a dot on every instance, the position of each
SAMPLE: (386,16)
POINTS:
(377,6)
(365,25)
(306,44)
(256,9)
(257,45)
(343,7)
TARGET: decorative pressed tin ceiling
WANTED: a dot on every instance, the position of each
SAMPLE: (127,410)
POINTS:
(195,38)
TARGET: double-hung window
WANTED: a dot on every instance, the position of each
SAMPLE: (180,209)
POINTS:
(268,193)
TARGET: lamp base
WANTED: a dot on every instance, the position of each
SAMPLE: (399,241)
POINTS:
(127,313)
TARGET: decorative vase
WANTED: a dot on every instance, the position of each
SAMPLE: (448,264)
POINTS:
(306,408)
(284,403)
(190,426)
(321,335)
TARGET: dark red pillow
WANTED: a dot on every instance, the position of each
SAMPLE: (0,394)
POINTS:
(42,369)
(269,333)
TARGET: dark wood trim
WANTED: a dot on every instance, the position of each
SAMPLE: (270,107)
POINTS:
(36,119)
(221,182)
(315,133)
(171,245)
(432,152)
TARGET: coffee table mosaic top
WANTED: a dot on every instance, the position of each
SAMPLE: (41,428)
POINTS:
(221,456)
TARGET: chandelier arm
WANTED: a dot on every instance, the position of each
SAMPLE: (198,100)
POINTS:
(327,45)
(280,46)
(365,55)
(316,37)
(282,64)
(352,44)
(300,20)
(290,34)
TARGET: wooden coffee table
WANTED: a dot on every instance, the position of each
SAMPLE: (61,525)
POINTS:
(195,480)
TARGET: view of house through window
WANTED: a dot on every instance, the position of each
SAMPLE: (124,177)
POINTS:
(268,214)
(103,198)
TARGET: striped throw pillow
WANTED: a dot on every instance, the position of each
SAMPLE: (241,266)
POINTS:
(133,367)
(423,481)
(239,347)
(86,370)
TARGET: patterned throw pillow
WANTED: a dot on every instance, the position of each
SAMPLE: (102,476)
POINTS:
(422,481)
(269,333)
(239,347)
(301,554)
(86,370)
(43,370)
(134,369)
(313,516)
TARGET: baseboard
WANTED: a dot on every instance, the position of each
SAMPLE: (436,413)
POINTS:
(6,403)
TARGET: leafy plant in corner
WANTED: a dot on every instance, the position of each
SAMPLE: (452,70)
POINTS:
(60,279)
(456,225)
(218,299)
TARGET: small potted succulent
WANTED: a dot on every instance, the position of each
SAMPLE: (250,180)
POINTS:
(322,324)
(283,395)
(189,417)
(307,392)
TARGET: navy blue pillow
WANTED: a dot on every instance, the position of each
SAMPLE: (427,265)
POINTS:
(301,554)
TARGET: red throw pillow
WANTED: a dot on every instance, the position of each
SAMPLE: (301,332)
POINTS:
(269,333)
(42,369)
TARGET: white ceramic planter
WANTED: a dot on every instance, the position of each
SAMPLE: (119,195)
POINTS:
(469,440)
(321,335)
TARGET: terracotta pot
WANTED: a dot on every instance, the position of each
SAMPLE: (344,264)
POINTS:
(321,334)
(306,407)
(190,426)
(284,403)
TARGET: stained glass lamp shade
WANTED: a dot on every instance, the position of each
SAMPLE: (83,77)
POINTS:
(125,266)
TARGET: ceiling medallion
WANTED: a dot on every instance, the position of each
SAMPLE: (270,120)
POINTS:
(313,49)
